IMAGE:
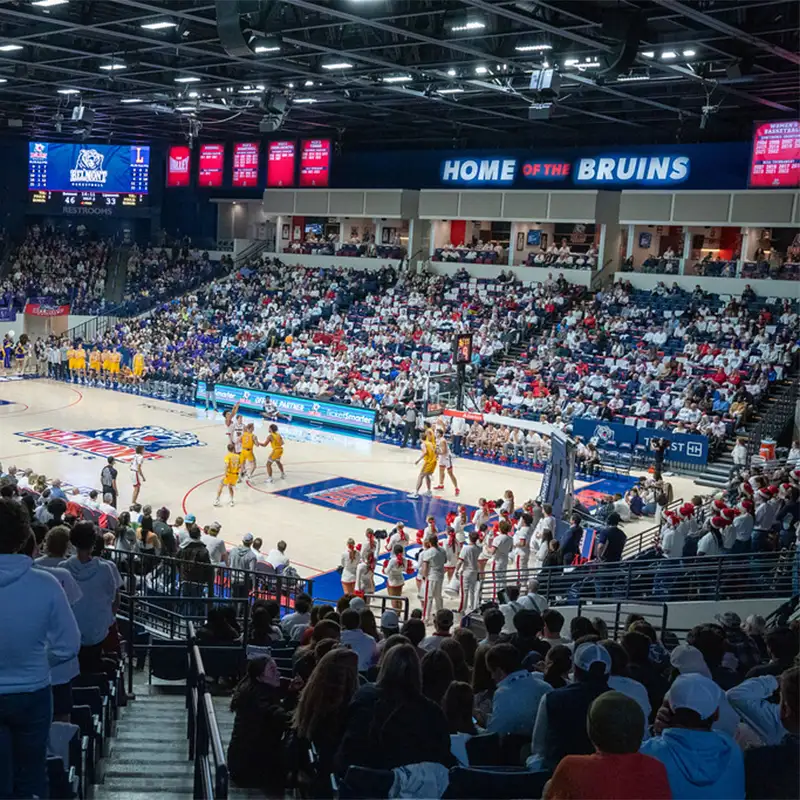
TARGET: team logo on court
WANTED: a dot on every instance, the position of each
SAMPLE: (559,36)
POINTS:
(117,442)
(153,437)
(342,495)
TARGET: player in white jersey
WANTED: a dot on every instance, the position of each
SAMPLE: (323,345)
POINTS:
(137,476)
(238,430)
(230,419)
(445,458)
(469,575)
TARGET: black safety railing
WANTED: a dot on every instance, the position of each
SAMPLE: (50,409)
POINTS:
(165,576)
(205,742)
(614,615)
(778,416)
(377,603)
(725,577)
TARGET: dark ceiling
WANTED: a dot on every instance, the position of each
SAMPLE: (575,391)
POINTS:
(738,59)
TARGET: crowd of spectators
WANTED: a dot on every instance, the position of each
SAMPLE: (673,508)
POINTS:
(63,267)
(564,257)
(475,252)
(156,275)
(702,368)
(636,716)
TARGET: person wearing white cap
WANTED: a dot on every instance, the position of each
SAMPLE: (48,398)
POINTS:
(700,762)
(560,728)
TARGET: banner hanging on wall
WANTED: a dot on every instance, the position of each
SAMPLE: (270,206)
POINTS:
(687,448)
(301,408)
(46,310)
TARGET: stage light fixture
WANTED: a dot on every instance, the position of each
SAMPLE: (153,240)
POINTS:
(160,25)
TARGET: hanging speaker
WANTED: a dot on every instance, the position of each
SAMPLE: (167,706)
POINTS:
(628,29)
(236,20)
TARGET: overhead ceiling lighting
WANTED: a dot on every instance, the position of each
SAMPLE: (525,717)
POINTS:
(186,108)
(451,72)
(161,25)
(69,91)
(3,80)
(49,3)
(266,48)
(688,53)
(193,95)
(571,62)
(337,65)
(532,48)
(648,54)
(590,63)
(633,76)
(454,90)
(9,48)
(308,83)
(304,100)
(668,54)
(251,90)
(397,79)
(468,25)
(546,64)
(187,79)
(129,101)
(113,66)
(481,70)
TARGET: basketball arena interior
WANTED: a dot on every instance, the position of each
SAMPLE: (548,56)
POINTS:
(399,398)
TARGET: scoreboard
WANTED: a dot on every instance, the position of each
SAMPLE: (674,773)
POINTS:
(88,178)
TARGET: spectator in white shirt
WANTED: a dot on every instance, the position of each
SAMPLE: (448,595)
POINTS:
(277,557)
(217,550)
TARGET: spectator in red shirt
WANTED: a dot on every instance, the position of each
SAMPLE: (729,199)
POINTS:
(616,771)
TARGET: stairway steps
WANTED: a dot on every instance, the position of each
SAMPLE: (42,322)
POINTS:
(153,783)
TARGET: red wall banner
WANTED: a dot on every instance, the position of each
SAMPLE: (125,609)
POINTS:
(40,310)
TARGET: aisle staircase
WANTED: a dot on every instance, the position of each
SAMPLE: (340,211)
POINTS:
(149,756)
(117,274)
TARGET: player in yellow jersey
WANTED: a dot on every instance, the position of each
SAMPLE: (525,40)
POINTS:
(275,441)
(116,361)
(231,476)
(80,361)
(71,360)
(138,365)
(94,364)
(106,361)
(247,459)
(428,459)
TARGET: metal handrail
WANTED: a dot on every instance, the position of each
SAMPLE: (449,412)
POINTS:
(384,602)
(160,576)
(205,742)
(725,577)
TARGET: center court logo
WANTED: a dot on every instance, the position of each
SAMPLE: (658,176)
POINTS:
(117,442)
(342,495)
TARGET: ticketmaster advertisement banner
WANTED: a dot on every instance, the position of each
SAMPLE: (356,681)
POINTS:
(301,408)
(687,448)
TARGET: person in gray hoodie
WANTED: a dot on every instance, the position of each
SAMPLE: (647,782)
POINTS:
(701,763)
(38,632)
(242,561)
(99,581)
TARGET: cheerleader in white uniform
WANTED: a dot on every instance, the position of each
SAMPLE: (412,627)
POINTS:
(507,505)
(522,545)
(395,568)
(500,549)
(365,573)
(469,575)
(459,525)
(430,528)
(481,515)
(451,549)
(398,537)
(350,559)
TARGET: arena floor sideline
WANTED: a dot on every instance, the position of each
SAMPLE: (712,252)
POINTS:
(336,484)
